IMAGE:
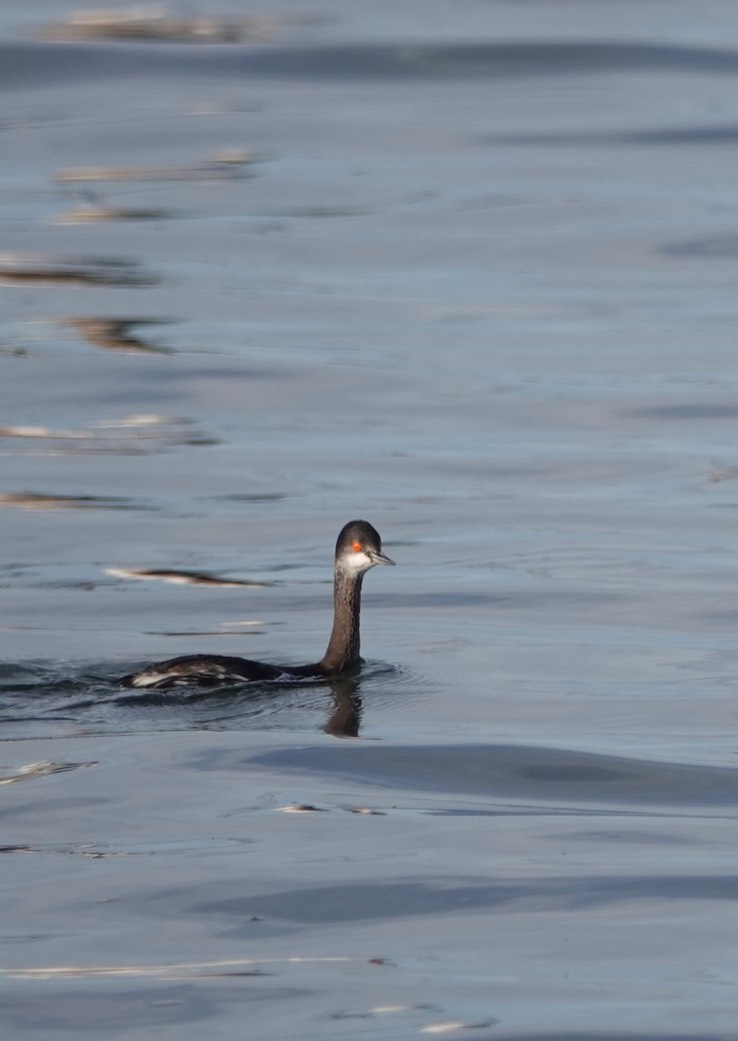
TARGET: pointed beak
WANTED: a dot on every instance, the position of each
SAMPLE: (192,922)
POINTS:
(377,557)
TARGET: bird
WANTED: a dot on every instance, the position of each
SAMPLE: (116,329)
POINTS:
(358,548)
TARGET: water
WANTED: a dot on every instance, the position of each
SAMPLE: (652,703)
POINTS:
(465,270)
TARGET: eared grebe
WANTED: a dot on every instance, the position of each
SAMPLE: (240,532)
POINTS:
(358,548)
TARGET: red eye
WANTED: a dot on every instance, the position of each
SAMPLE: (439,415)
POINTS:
(357,547)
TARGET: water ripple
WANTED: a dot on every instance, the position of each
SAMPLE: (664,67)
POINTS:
(37,63)
(38,699)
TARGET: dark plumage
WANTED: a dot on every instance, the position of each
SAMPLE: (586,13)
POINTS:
(359,548)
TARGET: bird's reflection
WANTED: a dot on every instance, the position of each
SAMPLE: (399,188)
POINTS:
(345,718)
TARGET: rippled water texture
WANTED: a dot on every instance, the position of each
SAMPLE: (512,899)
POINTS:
(467,270)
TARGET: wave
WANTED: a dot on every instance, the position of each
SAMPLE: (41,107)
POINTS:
(33,65)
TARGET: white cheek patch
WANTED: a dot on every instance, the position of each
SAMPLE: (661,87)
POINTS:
(358,561)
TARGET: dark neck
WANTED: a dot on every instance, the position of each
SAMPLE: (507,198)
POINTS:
(344,644)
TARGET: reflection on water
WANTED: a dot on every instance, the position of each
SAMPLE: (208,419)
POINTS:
(43,768)
(156,25)
(40,699)
(345,719)
(41,501)
(81,271)
(136,434)
(116,333)
(226,166)
(96,210)
(183,578)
